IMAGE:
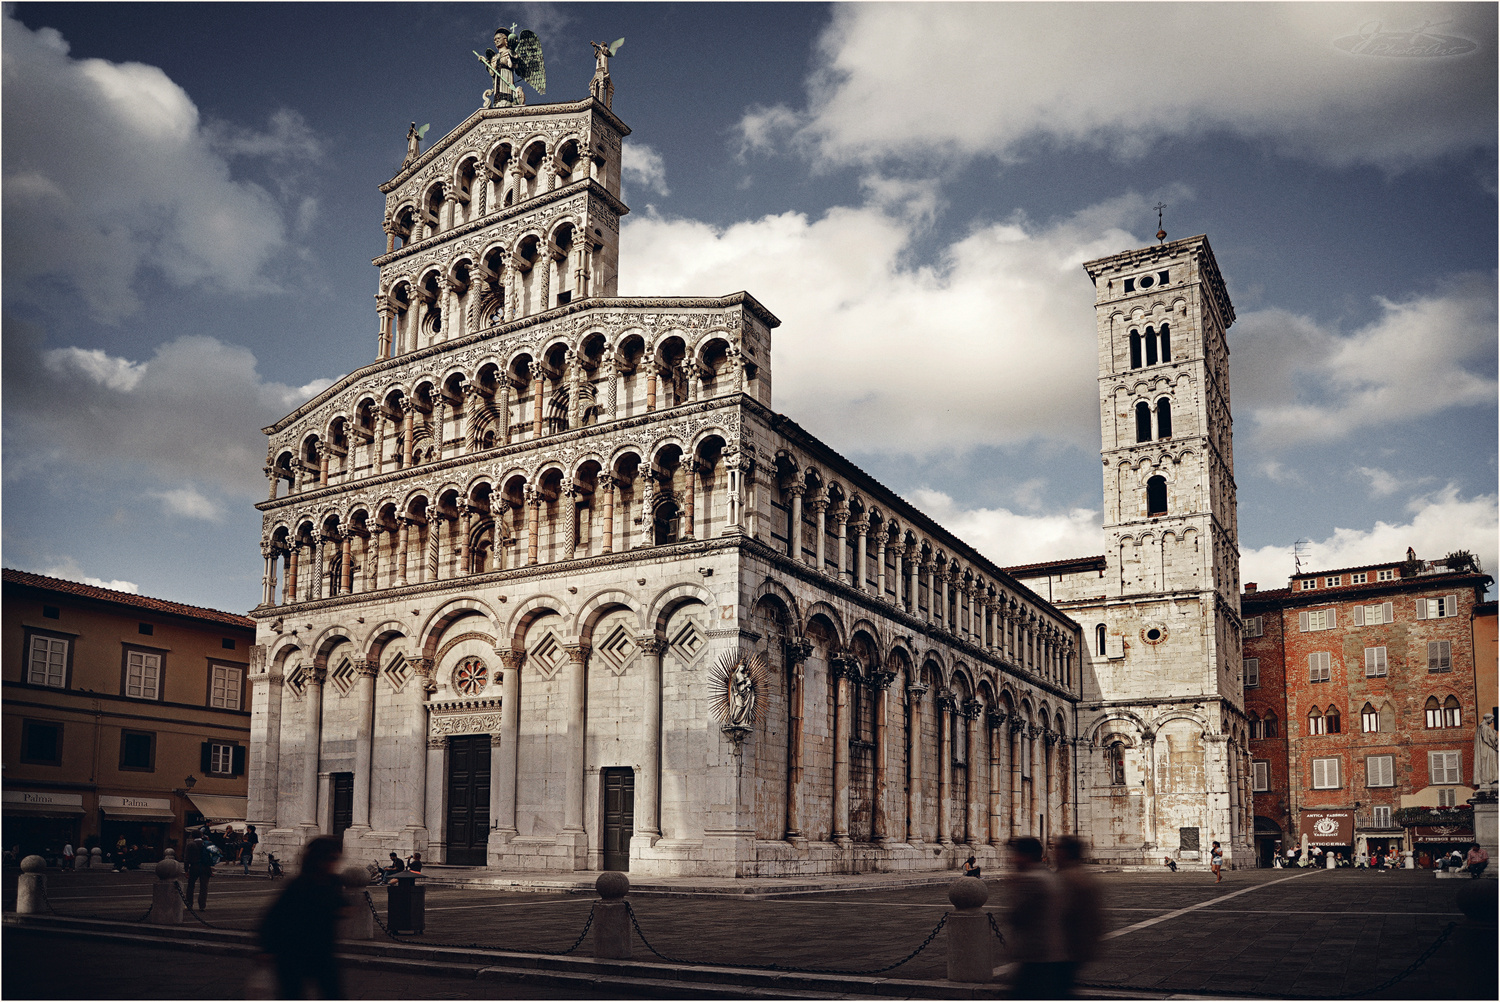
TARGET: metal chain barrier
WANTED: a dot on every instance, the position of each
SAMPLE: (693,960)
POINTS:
(1411,969)
(783,967)
(188,907)
(47,900)
(995,927)
(478,946)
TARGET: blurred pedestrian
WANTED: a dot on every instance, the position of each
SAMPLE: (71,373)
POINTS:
(297,934)
(1169,863)
(1216,862)
(1035,940)
(199,869)
(1082,910)
(247,850)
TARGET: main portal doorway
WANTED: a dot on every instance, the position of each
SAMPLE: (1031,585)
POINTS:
(619,817)
(468,799)
(343,802)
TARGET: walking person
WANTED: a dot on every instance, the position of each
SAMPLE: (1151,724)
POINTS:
(247,850)
(1216,862)
(67,856)
(297,934)
(1082,910)
(199,869)
(1035,938)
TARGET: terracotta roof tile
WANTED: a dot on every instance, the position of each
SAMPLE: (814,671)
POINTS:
(82,590)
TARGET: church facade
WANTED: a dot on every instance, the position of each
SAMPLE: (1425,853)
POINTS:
(515,568)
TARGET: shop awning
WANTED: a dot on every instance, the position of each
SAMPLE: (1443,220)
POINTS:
(216,809)
(1328,827)
(45,810)
(146,814)
(1442,833)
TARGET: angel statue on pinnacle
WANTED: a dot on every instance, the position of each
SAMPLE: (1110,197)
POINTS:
(515,59)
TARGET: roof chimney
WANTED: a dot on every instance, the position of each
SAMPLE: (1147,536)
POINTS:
(1249,587)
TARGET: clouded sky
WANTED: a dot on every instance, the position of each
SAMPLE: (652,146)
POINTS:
(191,206)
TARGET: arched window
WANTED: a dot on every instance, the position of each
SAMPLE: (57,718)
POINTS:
(1156,496)
(1369,719)
(1434,712)
(1099,636)
(1135,349)
(1315,722)
(1332,717)
(667,523)
(1166,343)
(1114,759)
(1452,713)
(1255,726)
(1164,418)
(1143,422)
(1271,725)
(1150,346)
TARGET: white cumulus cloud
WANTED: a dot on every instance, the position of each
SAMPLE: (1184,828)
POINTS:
(926,81)
(640,164)
(189,502)
(68,570)
(1009,538)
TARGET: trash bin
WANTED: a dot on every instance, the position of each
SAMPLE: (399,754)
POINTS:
(406,904)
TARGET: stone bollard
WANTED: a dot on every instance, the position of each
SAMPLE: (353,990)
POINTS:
(1475,940)
(166,895)
(1409,858)
(31,890)
(611,930)
(1328,861)
(971,952)
(81,859)
(96,859)
(359,923)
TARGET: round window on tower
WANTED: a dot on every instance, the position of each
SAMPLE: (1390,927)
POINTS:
(1154,633)
(1147,281)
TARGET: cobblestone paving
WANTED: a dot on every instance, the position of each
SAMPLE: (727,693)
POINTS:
(1317,933)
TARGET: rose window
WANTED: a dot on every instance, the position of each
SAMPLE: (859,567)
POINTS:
(470,676)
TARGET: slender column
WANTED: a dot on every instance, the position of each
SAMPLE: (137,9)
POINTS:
(1017,753)
(896,598)
(647,480)
(794,536)
(578,667)
(914,781)
(267,575)
(427,806)
(538,397)
(503,761)
(929,569)
(403,541)
(977,768)
(575,370)
(316,587)
(796,654)
(312,749)
(533,523)
(609,487)
(364,740)
(879,565)
(841,668)
(465,526)
(942,609)
(409,413)
(735,469)
(1038,778)
(689,498)
(650,363)
(841,517)
(913,593)
(502,405)
(861,558)
(1148,747)
(648,795)
(945,709)
(383,335)
(880,822)
(612,393)
(820,510)
(346,565)
(996,729)
(434,544)
(289,595)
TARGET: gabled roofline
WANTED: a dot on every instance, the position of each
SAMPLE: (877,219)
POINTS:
(78,589)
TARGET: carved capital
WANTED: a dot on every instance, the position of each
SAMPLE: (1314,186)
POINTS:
(511,659)
(915,692)
(652,645)
(578,653)
(881,680)
(972,708)
(365,668)
(947,701)
(797,650)
(437,743)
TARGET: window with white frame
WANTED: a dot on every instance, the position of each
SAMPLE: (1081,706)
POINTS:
(1382,817)
(224,687)
(1309,584)
(1374,615)
(1447,798)
(1319,666)
(1260,776)
(1369,719)
(1317,619)
(1375,662)
(48,662)
(1257,729)
(1453,714)
(1380,770)
(1325,773)
(1332,581)
(1445,768)
(220,759)
(1437,608)
(1252,672)
(1254,626)
(1440,656)
(1433,712)
(1316,722)
(142,675)
(1359,577)
(1385,575)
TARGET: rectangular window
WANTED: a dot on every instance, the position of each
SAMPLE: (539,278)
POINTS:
(1369,721)
(1445,767)
(221,759)
(1252,672)
(1254,627)
(41,742)
(1380,770)
(142,675)
(1434,714)
(48,662)
(1385,575)
(138,751)
(1382,817)
(224,687)
(1375,662)
(1317,619)
(1317,724)
(1440,656)
(1332,582)
(51,612)
(1447,798)
(1437,608)
(1360,577)
(1325,773)
(1319,666)
(1309,584)
(227,643)
(1373,615)
(1452,716)
(1260,776)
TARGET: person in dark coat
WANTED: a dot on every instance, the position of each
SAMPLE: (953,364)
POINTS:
(298,932)
(199,869)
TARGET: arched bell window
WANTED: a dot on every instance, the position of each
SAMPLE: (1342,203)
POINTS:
(667,523)
(1142,422)
(1099,637)
(1135,349)
(1156,497)
(1164,418)
(1114,760)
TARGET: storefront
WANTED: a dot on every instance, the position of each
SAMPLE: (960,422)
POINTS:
(1330,831)
(1268,839)
(140,821)
(41,823)
(1436,841)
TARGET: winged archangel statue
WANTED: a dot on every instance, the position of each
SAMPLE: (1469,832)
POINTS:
(515,59)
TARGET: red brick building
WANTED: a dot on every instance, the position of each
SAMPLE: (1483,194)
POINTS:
(1360,691)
